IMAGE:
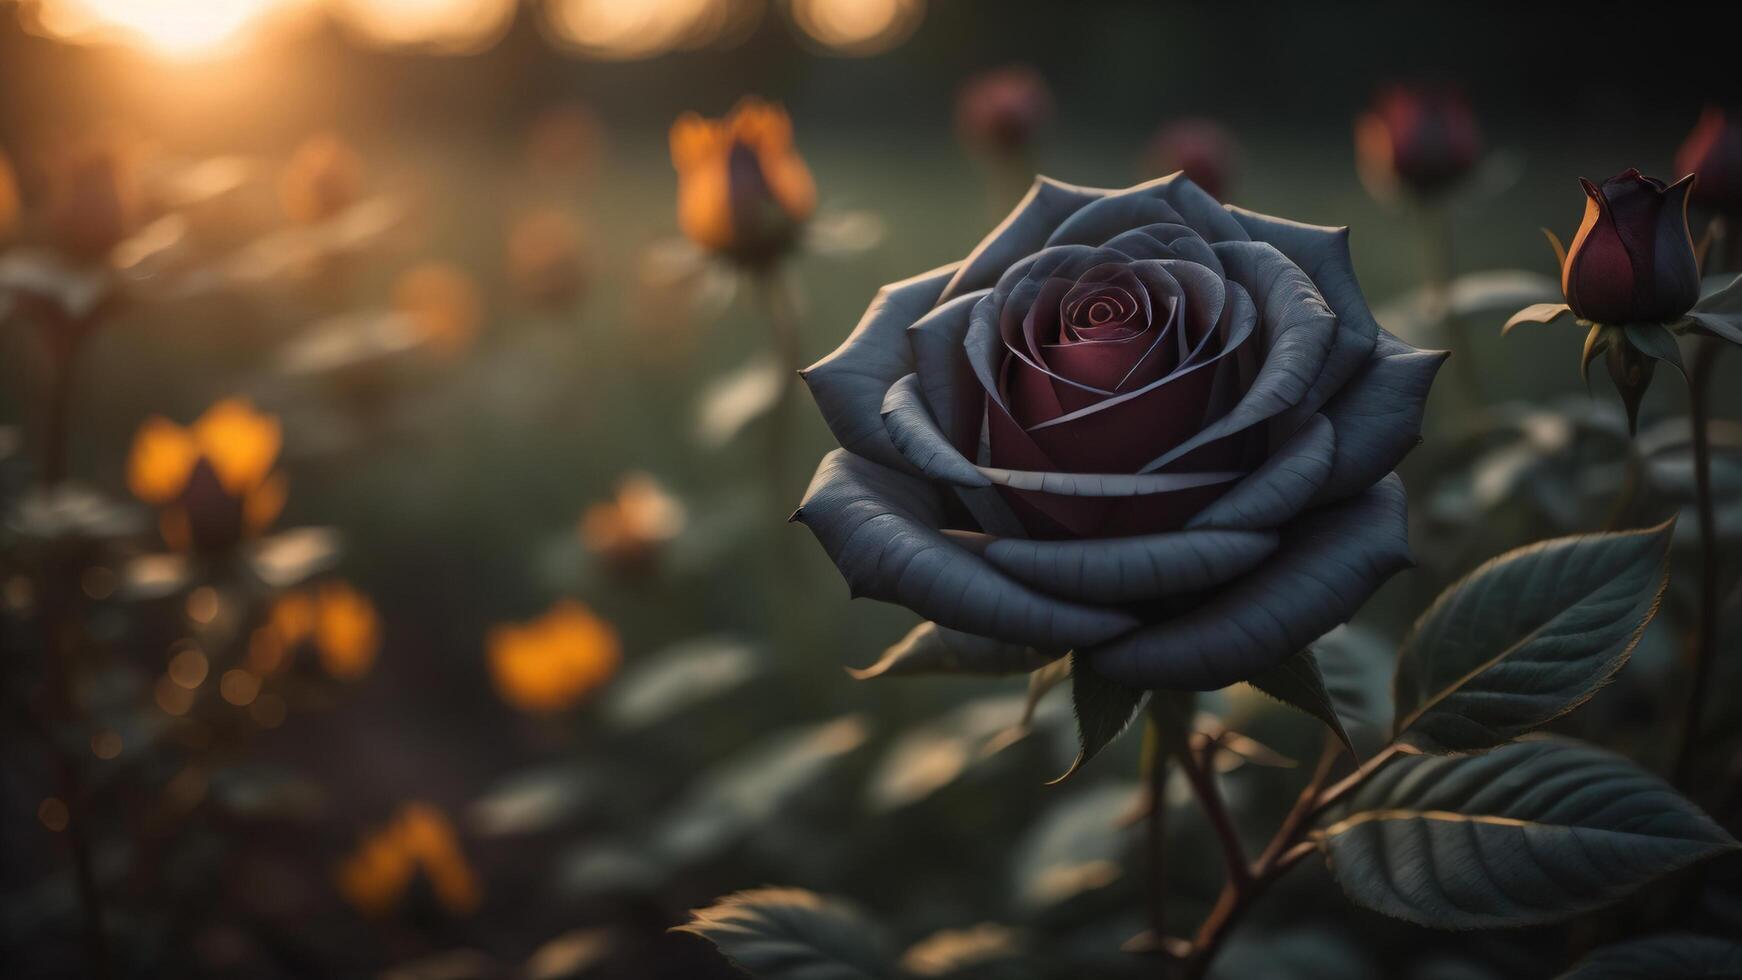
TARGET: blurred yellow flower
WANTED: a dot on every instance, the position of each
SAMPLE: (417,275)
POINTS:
(376,876)
(338,621)
(552,662)
(545,263)
(628,530)
(323,178)
(443,303)
(212,481)
(742,189)
(347,630)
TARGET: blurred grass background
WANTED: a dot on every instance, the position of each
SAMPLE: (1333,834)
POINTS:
(450,524)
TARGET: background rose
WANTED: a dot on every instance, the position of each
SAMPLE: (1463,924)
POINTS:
(1135,424)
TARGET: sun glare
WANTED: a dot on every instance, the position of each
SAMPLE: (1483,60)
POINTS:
(189,29)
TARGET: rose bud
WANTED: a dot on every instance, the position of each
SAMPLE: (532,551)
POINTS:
(546,264)
(743,191)
(212,482)
(1424,138)
(1713,154)
(1632,260)
(1138,425)
(1002,112)
(92,203)
(1202,149)
(322,179)
(629,532)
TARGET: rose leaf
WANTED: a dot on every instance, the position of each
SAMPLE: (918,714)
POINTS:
(1655,340)
(932,649)
(1103,710)
(1297,682)
(1526,638)
(1668,956)
(790,933)
(1530,833)
(1536,313)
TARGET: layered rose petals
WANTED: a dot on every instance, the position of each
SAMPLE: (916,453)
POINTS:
(1133,423)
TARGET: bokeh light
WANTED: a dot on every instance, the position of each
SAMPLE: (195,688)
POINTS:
(625,30)
(858,28)
(428,26)
(182,29)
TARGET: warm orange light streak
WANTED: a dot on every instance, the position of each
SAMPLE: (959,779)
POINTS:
(177,29)
(435,26)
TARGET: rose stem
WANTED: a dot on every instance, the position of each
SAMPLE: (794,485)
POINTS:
(1705,636)
(1442,270)
(1157,753)
(1284,851)
(781,305)
(63,335)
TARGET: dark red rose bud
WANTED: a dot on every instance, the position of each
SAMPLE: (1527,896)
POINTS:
(1202,148)
(91,203)
(1423,138)
(1633,258)
(1713,154)
(1003,111)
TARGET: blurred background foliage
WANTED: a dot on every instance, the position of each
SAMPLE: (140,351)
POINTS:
(433,240)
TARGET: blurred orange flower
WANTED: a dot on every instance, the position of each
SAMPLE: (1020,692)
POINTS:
(338,621)
(322,179)
(552,662)
(628,530)
(444,304)
(376,876)
(545,263)
(212,481)
(742,189)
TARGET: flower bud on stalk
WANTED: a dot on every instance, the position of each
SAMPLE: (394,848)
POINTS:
(1632,260)
(1713,154)
(1422,138)
(743,190)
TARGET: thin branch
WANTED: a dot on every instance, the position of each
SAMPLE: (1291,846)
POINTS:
(1197,763)
(1706,633)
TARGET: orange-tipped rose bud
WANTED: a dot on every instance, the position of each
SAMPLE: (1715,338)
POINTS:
(1423,138)
(742,189)
(1202,148)
(323,178)
(1632,260)
(1003,111)
(92,202)
(212,482)
(1713,154)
